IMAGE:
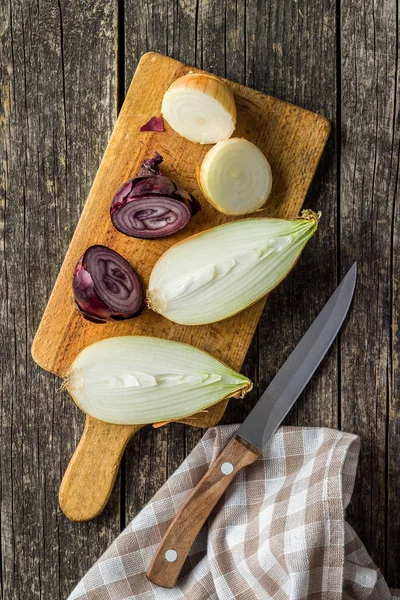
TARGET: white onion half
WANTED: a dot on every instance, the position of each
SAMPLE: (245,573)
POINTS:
(219,272)
(201,108)
(235,177)
(137,380)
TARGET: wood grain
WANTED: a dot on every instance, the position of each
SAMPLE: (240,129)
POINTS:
(91,473)
(368,231)
(193,513)
(291,138)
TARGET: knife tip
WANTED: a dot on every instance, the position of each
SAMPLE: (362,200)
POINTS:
(351,275)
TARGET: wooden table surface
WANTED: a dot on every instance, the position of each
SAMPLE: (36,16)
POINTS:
(64,68)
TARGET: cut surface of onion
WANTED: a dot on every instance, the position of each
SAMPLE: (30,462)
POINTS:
(106,287)
(235,177)
(151,205)
(137,380)
(219,272)
(201,108)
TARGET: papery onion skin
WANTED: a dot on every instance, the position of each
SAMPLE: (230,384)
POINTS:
(139,379)
(154,124)
(108,289)
(152,205)
(219,272)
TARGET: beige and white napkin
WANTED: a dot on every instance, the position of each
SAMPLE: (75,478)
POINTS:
(279,532)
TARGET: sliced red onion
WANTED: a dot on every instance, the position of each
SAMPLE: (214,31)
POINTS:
(152,205)
(106,287)
(155,124)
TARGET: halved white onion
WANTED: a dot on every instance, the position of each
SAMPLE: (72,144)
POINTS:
(137,380)
(219,272)
(200,107)
(235,177)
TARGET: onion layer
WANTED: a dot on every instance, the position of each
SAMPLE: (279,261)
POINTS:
(201,108)
(138,380)
(219,272)
(106,287)
(235,177)
(152,205)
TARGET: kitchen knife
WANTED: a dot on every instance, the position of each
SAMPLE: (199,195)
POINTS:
(253,434)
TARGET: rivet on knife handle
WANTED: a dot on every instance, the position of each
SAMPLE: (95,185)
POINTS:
(174,547)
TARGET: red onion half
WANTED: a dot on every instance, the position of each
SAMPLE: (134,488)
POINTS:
(106,287)
(152,205)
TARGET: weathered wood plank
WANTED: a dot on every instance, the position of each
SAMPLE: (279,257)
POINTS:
(392,532)
(57,77)
(368,174)
(291,53)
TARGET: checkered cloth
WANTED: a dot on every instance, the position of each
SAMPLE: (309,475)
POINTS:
(279,532)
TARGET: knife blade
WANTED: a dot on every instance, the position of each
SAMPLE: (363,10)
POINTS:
(296,372)
(253,434)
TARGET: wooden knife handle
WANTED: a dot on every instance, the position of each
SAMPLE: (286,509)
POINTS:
(174,547)
(91,473)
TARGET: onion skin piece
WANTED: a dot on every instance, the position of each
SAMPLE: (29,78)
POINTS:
(205,94)
(154,124)
(107,290)
(151,166)
(152,205)
(138,380)
(219,272)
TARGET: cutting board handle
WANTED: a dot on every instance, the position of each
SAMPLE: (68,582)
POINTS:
(90,475)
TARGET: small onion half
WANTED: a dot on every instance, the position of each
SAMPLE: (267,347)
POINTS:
(106,287)
(200,107)
(235,177)
(137,380)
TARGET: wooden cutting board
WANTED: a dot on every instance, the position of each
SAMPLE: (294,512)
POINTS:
(291,138)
